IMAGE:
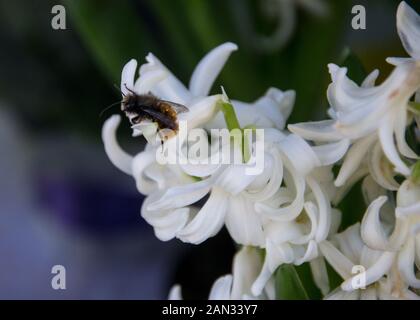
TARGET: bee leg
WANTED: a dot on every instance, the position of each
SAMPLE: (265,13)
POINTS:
(162,137)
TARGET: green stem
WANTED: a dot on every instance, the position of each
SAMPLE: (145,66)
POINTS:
(414,107)
(415,173)
(230,115)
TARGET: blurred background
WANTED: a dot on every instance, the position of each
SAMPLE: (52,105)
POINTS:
(61,200)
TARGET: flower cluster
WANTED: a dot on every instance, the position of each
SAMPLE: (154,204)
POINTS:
(286,212)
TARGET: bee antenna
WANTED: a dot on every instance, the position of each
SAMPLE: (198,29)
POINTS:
(119,90)
(108,107)
(125,85)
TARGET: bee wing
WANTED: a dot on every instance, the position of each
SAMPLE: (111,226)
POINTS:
(158,116)
(179,108)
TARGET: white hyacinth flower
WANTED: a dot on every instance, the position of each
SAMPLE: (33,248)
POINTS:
(286,208)
(154,77)
(245,202)
(367,273)
(274,107)
(172,188)
(400,236)
(295,240)
(236,286)
(367,113)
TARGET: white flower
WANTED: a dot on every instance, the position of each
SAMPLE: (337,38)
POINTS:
(236,286)
(367,113)
(171,189)
(367,273)
(273,110)
(154,77)
(400,235)
(245,202)
(295,240)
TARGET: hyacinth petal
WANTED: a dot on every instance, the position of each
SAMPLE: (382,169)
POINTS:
(281,232)
(373,273)
(182,195)
(387,142)
(275,106)
(397,61)
(139,164)
(118,156)
(360,110)
(168,88)
(200,111)
(341,264)
(350,243)
(166,223)
(310,253)
(344,95)
(234,179)
(199,169)
(127,76)
(146,128)
(344,189)
(291,211)
(285,101)
(381,169)
(246,267)
(370,80)
(406,261)
(243,223)
(221,289)
(208,221)
(149,80)
(312,213)
(275,179)
(262,279)
(175,293)
(209,68)
(324,209)
(354,158)
(320,274)
(373,233)
(277,254)
(408,22)
(402,212)
(371,228)
(331,153)
(322,131)
(203,165)
(292,148)
(336,218)
(167,227)
(400,126)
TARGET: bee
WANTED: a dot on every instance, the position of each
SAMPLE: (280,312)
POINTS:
(139,107)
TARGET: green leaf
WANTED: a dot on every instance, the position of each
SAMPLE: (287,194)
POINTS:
(355,69)
(314,46)
(289,285)
(229,115)
(111,31)
(414,107)
(173,20)
(415,174)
